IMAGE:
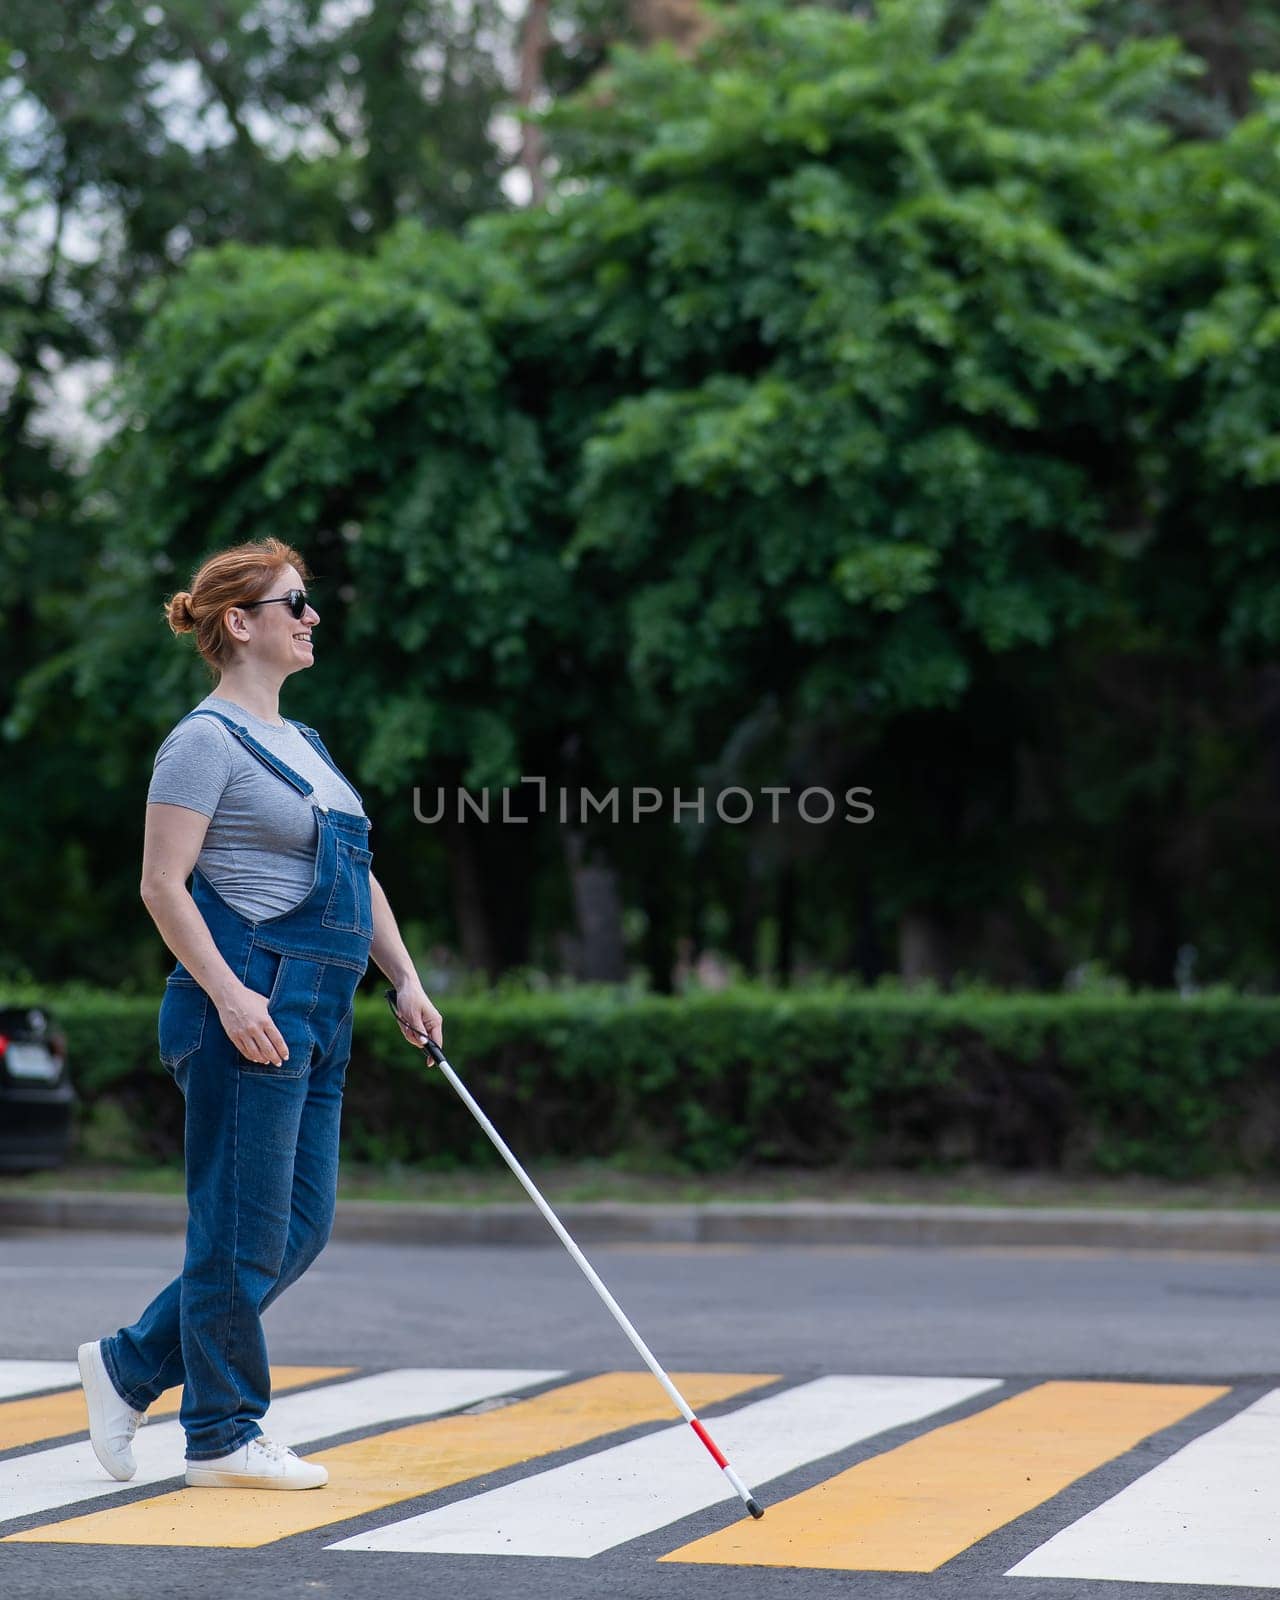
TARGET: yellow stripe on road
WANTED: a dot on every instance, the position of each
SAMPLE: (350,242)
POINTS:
(53,1416)
(914,1508)
(395,1466)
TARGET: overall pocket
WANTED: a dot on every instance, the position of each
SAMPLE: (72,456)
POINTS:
(350,905)
(290,989)
(180,1025)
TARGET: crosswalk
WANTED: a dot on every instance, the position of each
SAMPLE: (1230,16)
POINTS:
(860,1473)
(632,1489)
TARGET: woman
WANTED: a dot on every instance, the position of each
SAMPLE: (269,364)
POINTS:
(255,1025)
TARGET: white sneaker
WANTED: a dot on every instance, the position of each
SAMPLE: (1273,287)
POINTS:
(260,1464)
(112,1421)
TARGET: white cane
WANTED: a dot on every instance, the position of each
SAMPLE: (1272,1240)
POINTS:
(431,1048)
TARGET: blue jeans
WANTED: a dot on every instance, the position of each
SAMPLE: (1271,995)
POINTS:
(261,1141)
(262,1168)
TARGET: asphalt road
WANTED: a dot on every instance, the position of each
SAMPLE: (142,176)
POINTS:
(1017,1316)
(1014,1313)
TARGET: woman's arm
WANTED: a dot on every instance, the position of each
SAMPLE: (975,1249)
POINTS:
(393,959)
(170,845)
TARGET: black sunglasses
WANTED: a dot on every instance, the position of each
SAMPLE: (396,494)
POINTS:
(296,600)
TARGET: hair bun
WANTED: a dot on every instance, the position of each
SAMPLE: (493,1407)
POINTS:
(178,610)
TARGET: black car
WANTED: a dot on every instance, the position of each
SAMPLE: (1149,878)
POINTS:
(35,1091)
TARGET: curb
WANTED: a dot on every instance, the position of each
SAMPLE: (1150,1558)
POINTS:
(793,1222)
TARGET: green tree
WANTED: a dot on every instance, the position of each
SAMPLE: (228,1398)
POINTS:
(132,134)
(837,325)
(357,407)
(877,400)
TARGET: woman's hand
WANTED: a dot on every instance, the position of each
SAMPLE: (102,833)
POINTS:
(416,1009)
(247,1023)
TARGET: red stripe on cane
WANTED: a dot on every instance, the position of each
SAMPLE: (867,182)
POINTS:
(708,1441)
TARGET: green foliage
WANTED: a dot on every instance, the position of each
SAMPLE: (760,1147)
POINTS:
(357,409)
(1220,412)
(885,398)
(167,128)
(747,1078)
(845,311)
(132,135)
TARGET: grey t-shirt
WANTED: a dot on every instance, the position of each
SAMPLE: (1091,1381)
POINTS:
(260,850)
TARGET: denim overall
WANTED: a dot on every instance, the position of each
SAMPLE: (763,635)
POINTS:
(261,1141)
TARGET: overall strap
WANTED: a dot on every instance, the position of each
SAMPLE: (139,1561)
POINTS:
(251,744)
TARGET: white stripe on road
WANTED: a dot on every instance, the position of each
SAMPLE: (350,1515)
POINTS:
(47,1480)
(29,1377)
(1207,1515)
(614,1495)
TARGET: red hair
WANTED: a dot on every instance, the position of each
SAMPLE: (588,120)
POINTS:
(227,579)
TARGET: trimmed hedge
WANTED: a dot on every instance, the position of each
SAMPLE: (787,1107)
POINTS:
(1148,1084)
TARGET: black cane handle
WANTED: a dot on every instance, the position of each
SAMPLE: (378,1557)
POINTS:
(428,1043)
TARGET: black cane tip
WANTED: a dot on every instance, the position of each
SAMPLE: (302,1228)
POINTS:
(755,1510)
